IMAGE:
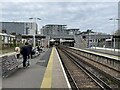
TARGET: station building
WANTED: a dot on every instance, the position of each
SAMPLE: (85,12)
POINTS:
(54,29)
(58,34)
(73,31)
(96,39)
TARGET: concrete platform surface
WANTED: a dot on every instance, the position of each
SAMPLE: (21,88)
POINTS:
(30,77)
(55,76)
(45,71)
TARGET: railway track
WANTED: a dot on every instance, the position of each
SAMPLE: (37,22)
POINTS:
(78,76)
(88,74)
(115,67)
(106,70)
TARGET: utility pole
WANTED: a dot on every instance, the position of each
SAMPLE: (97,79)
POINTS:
(88,31)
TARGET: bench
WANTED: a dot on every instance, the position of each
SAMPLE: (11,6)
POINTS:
(9,65)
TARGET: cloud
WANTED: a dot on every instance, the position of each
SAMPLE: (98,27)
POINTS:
(82,15)
(17,1)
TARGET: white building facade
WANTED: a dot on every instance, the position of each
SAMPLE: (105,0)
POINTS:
(53,29)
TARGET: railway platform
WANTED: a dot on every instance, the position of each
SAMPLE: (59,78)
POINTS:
(110,51)
(45,71)
(62,67)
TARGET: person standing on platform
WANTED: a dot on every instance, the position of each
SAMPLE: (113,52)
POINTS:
(30,51)
(38,49)
(17,50)
(25,52)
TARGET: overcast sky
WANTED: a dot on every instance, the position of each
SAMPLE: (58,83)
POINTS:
(82,15)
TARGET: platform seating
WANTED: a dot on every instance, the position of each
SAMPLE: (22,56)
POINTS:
(9,65)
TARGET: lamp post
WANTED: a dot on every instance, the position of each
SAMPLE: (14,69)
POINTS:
(95,41)
(88,31)
(34,40)
(114,19)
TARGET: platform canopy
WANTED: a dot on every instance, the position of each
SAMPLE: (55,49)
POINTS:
(31,36)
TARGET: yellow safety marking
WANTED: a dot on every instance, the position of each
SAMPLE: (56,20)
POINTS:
(47,80)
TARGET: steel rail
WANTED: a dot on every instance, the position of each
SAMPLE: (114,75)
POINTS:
(97,80)
(112,78)
(71,79)
(100,63)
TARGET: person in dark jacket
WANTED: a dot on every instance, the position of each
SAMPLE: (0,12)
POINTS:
(30,51)
(25,52)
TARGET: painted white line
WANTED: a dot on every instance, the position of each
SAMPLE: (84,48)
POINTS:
(109,49)
(69,86)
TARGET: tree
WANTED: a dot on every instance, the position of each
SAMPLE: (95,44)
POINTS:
(4,31)
(89,31)
(13,33)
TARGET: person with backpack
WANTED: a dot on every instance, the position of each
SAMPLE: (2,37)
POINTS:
(25,53)
(30,51)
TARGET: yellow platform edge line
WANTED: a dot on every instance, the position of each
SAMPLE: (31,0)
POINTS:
(47,79)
